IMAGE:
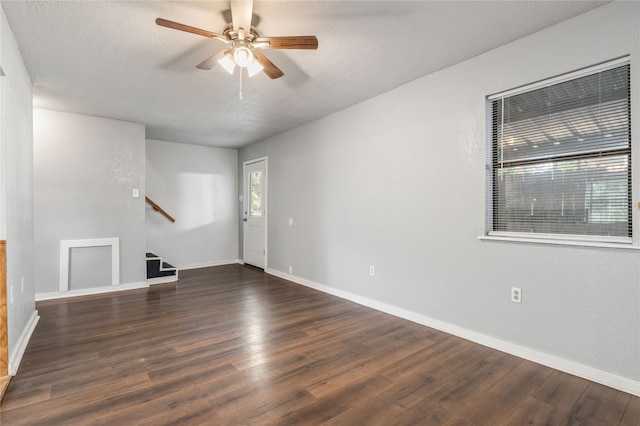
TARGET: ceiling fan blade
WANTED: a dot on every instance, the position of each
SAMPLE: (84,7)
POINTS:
(270,69)
(241,14)
(211,61)
(189,29)
(292,42)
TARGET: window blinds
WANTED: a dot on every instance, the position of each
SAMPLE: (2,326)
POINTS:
(561,157)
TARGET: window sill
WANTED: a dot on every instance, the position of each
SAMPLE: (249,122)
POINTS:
(549,241)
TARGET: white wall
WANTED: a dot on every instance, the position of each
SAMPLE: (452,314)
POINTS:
(16,193)
(398,182)
(197,186)
(85,169)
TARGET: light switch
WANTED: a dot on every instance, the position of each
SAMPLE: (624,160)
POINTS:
(136,192)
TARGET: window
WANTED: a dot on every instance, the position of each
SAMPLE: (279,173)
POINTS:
(255,193)
(560,157)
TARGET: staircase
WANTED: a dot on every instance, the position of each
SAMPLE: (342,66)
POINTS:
(159,271)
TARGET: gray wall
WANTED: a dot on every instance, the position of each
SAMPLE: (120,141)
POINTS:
(197,186)
(85,169)
(16,194)
(398,182)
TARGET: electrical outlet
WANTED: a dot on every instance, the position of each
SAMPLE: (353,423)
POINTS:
(516,295)
(291,269)
(372,271)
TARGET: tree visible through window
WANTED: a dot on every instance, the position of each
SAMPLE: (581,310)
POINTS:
(560,160)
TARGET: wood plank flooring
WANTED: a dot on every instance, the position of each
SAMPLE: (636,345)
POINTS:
(233,346)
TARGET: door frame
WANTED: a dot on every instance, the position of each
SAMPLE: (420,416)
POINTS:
(265,190)
(4,343)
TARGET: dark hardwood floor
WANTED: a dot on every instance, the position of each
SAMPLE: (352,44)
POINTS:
(233,346)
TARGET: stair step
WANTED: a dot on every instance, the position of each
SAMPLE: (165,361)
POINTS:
(157,268)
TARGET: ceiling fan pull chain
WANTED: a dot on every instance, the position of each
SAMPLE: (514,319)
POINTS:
(240,95)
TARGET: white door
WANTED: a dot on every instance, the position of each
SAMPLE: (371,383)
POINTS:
(254,217)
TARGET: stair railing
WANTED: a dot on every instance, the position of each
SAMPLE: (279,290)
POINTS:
(159,209)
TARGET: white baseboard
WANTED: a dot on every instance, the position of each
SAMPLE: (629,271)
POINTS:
(89,291)
(18,351)
(209,264)
(595,375)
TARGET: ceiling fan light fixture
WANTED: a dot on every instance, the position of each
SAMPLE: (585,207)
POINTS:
(254,68)
(243,56)
(227,62)
(243,43)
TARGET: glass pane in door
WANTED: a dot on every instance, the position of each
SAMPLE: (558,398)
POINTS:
(255,191)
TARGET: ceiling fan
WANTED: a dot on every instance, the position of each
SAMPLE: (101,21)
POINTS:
(244,43)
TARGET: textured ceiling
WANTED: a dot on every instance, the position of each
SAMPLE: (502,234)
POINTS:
(110,59)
